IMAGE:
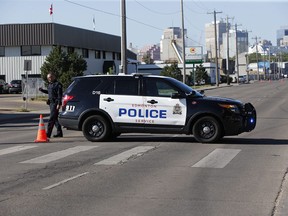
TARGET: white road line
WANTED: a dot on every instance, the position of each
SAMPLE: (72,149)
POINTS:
(124,156)
(218,158)
(58,155)
(64,181)
(16,149)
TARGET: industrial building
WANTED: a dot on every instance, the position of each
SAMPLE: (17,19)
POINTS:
(20,42)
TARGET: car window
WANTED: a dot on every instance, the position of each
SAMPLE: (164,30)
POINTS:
(159,87)
(123,86)
(16,82)
(84,86)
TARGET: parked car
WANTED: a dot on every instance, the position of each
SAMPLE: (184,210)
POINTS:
(3,87)
(15,86)
(242,79)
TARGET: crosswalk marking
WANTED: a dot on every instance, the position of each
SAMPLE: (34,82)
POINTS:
(124,156)
(16,149)
(218,158)
(58,155)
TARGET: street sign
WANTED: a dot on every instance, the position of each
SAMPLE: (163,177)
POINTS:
(194,61)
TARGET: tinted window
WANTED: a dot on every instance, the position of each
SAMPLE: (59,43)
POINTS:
(30,50)
(159,87)
(16,82)
(126,86)
(84,86)
(2,51)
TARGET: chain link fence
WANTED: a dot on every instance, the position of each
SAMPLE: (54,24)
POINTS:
(30,88)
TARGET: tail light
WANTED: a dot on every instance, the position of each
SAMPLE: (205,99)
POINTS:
(65,100)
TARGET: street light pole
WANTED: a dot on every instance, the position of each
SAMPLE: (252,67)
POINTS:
(123,38)
(227,50)
(183,44)
(256,39)
(216,49)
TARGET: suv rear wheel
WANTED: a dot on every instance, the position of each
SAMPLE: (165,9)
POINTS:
(96,128)
(207,129)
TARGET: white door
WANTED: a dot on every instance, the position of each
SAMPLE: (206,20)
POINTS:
(122,101)
(160,107)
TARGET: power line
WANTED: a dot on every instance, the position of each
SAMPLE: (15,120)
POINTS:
(112,14)
(193,11)
(156,12)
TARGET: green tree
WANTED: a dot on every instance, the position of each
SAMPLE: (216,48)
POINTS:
(172,71)
(64,65)
(201,74)
(147,58)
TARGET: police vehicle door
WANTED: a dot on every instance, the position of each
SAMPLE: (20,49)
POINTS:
(122,100)
(160,107)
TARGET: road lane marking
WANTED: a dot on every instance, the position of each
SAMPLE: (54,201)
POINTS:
(124,156)
(218,158)
(58,155)
(64,181)
(16,149)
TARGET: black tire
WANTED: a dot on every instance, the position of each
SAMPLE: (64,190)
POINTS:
(207,130)
(96,128)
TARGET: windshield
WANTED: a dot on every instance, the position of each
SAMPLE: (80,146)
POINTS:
(185,88)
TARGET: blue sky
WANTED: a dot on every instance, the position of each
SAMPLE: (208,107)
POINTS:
(146,19)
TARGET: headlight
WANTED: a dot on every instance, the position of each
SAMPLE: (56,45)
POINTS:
(231,107)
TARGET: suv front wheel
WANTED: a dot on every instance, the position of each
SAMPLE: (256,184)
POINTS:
(207,129)
(96,128)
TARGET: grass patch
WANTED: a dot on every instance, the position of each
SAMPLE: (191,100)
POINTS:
(23,110)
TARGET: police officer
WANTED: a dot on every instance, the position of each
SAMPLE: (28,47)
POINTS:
(55,92)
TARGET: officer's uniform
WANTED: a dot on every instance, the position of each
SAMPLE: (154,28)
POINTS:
(55,92)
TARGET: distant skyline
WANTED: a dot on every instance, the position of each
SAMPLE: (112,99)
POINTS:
(146,19)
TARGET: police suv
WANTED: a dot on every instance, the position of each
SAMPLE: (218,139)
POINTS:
(104,106)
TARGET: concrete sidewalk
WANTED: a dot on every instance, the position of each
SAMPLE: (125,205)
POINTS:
(13,107)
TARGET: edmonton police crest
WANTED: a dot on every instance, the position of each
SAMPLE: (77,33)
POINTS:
(177,109)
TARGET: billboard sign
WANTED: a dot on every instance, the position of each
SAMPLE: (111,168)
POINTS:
(194,54)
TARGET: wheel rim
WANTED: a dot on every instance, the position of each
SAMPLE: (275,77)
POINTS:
(96,129)
(207,130)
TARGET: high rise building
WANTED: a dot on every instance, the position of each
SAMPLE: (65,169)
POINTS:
(282,36)
(171,40)
(152,50)
(210,37)
(242,41)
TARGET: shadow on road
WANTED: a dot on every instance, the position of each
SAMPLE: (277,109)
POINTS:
(15,118)
(188,139)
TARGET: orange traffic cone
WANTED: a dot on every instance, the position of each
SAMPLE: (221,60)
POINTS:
(41,136)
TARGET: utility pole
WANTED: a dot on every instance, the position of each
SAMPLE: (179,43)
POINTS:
(269,59)
(216,50)
(183,44)
(256,39)
(237,56)
(123,68)
(227,51)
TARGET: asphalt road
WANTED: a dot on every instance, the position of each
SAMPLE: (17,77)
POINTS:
(147,175)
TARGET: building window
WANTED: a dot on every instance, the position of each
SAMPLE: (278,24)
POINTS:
(104,55)
(30,50)
(113,55)
(2,51)
(119,56)
(85,53)
(70,50)
(97,54)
